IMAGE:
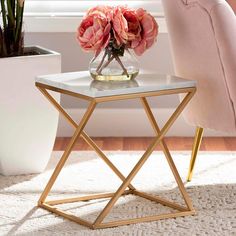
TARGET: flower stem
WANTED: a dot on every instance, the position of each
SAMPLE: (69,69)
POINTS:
(105,65)
(101,62)
(121,64)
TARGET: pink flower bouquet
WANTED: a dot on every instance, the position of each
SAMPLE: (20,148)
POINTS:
(114,30)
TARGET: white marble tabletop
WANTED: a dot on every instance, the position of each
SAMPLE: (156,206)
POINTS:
(82,83)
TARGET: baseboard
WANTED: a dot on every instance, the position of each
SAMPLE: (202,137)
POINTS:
(127,123)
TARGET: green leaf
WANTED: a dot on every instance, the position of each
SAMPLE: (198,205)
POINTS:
(10,13)
(4,17)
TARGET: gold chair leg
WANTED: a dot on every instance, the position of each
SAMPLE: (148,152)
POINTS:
(196,146)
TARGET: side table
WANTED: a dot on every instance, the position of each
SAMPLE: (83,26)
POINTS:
(80,85)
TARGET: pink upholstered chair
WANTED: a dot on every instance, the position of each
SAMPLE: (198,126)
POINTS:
(203,40)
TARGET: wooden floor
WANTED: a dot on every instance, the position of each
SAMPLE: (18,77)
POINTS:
(208,144)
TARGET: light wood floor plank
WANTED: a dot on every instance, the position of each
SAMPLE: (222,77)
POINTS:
(134,143)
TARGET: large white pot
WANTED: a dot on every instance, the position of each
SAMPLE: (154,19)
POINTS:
(28,122)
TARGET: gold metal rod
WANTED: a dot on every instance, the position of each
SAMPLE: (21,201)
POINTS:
(178,178)
(66,215)
(196,147)
(161,201)
(105,159)
(117,97)
(143,159)
(126,181)
(58,106)
(167,153)
(67,151)
(84,198)
(44,86)
(88,140)
(142,219)
(145,94)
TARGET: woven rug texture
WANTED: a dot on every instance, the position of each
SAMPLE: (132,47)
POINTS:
(212,190)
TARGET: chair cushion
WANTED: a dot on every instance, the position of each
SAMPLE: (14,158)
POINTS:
(202,35)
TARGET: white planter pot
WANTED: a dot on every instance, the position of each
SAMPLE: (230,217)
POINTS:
(28,122)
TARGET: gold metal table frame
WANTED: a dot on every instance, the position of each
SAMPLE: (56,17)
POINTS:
(126,187)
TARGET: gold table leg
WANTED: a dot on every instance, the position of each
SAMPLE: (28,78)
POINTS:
(98,223)
(67,152)
(167,153)
(87,139)
(141,162)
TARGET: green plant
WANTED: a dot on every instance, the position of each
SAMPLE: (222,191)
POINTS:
(11,35)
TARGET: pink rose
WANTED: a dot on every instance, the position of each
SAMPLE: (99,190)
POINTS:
(120,26)
(93,33)
(126,26)
(149,31)
(104,11)
(134,27)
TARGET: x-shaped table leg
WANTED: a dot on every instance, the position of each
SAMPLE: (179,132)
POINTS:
(67,151)
(126,181)
(144,158)
(167,153)
(79,131)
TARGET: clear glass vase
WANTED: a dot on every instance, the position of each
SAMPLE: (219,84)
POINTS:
(113,65)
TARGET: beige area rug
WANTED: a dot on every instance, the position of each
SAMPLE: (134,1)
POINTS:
(213,191)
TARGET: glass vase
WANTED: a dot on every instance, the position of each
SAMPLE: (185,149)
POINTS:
(114,65)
